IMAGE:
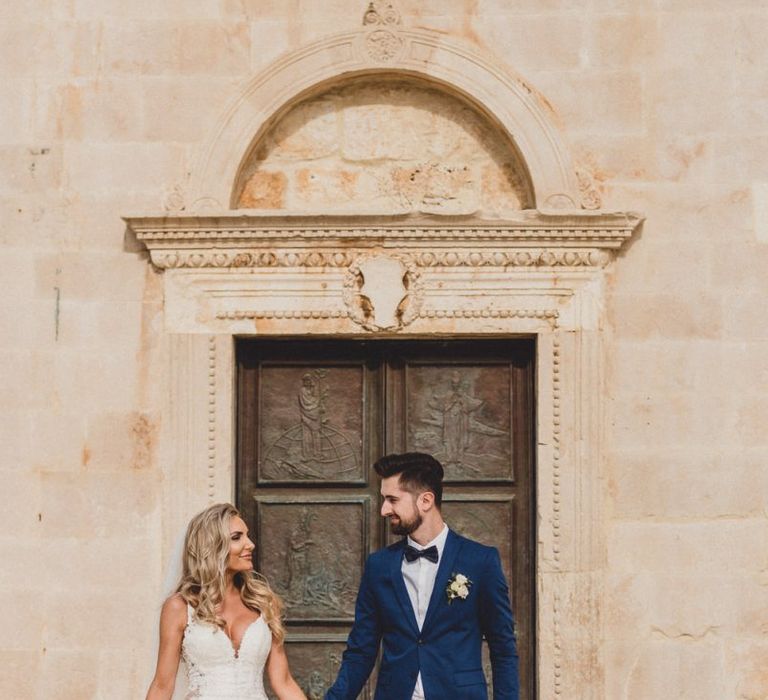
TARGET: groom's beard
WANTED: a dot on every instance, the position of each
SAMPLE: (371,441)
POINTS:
(405,527)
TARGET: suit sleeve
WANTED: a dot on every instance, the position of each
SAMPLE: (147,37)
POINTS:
(498,626)
(362,644)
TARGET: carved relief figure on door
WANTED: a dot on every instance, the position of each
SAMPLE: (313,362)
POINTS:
(457,417)
(302,440)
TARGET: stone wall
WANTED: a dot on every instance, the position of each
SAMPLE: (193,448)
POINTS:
(104,108)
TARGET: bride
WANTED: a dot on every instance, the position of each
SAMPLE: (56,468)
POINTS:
(223,619)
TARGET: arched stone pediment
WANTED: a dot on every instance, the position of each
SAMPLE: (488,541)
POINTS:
(409,54)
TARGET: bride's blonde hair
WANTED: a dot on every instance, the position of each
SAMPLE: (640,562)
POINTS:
(204,566)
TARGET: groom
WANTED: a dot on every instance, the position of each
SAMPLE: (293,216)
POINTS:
(430,598)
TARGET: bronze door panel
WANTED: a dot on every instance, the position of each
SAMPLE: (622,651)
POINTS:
(312,424)
(313,551)
(461,414)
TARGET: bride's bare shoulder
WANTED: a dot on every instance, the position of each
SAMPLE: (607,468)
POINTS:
(175,608)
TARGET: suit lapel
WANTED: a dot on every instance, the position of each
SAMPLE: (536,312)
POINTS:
(396,573)
(444,571)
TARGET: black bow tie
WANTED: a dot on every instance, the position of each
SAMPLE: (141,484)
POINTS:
(430,553)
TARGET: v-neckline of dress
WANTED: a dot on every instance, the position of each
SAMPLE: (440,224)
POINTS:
(236,649)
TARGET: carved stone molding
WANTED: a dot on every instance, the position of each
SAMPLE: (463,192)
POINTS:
(534,239)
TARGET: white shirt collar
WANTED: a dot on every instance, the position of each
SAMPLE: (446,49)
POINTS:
(438,541)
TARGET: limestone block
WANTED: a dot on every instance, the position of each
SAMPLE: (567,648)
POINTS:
(55,439)
(21,671)
(374,131)
(72,627)
(24,621)
(313,188)
(124,676)
(101,564)
(109,168)
(746,316)
(26,380)
(747,666)
(99,504)
(109,110)
(21,557)
(662,366)
(694,607)
(270,37)
(215,48)
(652,315)
(622,40)
(613,158)
(142,9)
(32,170)
(698,548)
(121,441)
(512,11)
(16,436)
(641,417)
(540,41)
(99,381)
(183,109)
(82,321)
(688,483)
(18,277)
(17,109)
(678,669)
(309,131)
(692,212)
(627,609)
(655,266)
(47,49)
(78,667)
(93,276)
(264,190)
(140,47)
(691,101)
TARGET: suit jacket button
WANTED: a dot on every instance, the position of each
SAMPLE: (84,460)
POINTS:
(421,641)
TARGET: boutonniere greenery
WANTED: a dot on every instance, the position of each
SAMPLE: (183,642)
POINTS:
(458,587)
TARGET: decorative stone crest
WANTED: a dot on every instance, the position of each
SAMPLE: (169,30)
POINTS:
(382,44)
(590,195)
(174,201)
(382,292)
(381,13)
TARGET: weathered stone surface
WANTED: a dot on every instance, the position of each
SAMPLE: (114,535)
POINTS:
(384,146)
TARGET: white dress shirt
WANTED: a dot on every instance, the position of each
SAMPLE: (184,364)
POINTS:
(419,576)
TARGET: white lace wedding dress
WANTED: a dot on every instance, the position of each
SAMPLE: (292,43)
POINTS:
(215,670)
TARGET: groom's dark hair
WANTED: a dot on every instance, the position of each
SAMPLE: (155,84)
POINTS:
(418,472)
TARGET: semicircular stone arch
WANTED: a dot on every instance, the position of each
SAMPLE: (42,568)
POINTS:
(384,144)
(421,58)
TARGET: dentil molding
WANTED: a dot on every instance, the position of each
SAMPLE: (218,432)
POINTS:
(246,239)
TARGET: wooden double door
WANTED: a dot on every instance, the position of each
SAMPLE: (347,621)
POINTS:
(313,416)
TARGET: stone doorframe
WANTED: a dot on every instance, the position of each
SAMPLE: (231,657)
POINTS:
(540,274)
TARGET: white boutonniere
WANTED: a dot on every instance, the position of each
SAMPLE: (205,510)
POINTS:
(458,587)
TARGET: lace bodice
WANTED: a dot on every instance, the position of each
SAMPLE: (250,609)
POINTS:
(216,671)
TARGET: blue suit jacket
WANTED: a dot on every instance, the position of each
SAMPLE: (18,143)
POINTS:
(447,650)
